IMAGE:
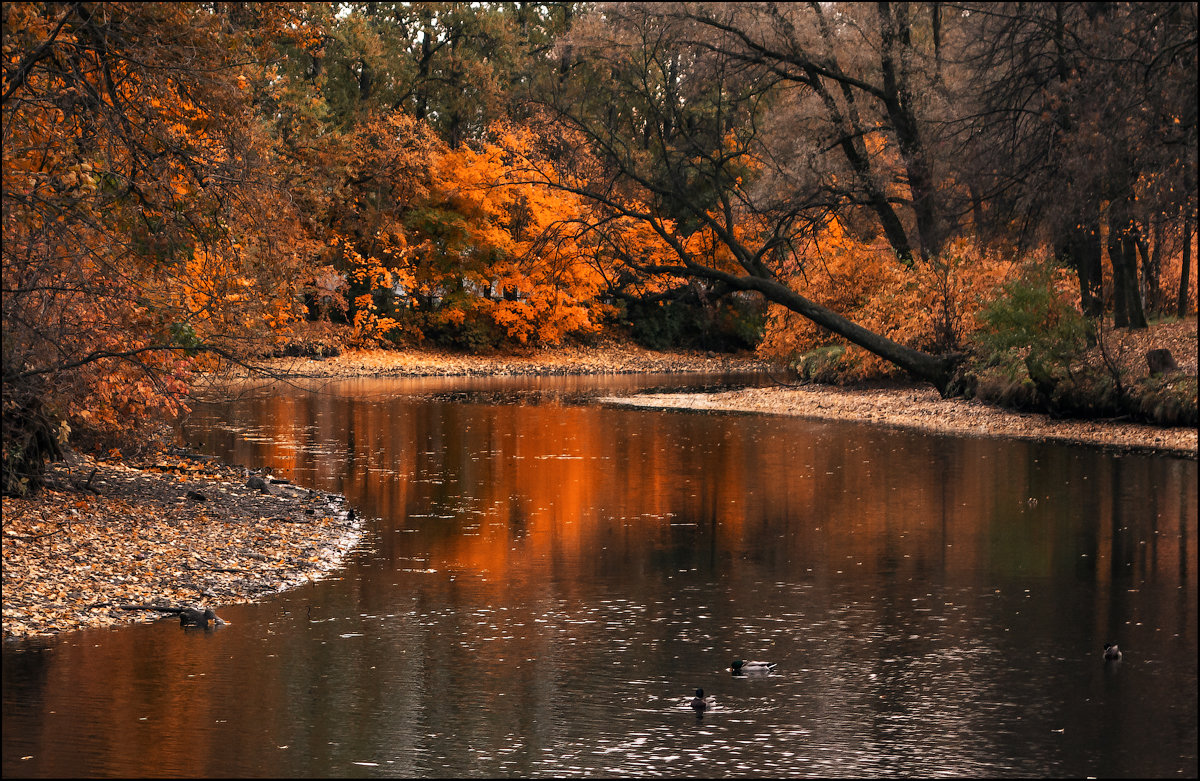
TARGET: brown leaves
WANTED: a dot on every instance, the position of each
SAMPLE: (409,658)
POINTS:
(69,559)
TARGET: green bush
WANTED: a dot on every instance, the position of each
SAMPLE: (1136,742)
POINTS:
(1032,352)
(1032,324)
(1168,400)
(822,364)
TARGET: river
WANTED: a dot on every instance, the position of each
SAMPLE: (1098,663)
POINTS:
(545,581)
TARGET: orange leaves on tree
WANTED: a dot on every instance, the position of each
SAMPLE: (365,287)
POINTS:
(930,306)
(133,214)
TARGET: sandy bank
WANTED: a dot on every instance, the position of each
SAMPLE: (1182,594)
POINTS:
(612,359)
(922,408)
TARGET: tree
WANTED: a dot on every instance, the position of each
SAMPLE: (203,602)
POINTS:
(872,79)
(461,67)
(136,228)
(696,129)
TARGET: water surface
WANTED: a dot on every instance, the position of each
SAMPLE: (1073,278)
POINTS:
(545,581)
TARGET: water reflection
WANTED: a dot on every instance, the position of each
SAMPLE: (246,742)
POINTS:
(549,581)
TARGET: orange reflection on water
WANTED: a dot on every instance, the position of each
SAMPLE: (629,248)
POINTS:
(494,488)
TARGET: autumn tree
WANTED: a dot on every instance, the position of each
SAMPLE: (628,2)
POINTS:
(390,123)
(137,229)
(694,132)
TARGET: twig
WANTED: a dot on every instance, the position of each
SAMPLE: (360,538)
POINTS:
(210,567)
(785,383)
(216,569)
(159,608)
(34,536)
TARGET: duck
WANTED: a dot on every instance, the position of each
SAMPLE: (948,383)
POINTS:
(740,667)
(1111,652)
(701,703)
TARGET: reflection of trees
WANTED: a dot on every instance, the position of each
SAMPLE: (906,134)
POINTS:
(588,561)
(499,488)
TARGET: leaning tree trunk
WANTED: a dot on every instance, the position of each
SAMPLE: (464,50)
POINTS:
(938,370)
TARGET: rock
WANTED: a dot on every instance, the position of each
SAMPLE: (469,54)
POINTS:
(258,484)
(1161,361)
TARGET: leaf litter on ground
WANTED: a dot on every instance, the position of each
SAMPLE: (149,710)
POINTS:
(180,530)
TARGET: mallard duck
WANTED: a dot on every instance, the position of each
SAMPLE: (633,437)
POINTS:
(739,667)
(702,703)
(1111,651)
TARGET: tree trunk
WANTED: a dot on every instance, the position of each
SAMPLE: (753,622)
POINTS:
(897,98)
(1082,250)
(423,71)
(1133,290)
(1181,307)
(1151,256)
(1122,253)
(938,370)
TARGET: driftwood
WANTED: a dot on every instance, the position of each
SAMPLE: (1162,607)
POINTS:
(188,616)
(74,485)
(87,486)
(210,567)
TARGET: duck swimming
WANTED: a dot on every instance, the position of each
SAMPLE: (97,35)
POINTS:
(701,703)
(1111,652)
(740,667)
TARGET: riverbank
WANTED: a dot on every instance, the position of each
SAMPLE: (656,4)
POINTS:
(906,405)
(180,530)
(607,359)
(921,408)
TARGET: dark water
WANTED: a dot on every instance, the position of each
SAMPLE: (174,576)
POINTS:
(548,580)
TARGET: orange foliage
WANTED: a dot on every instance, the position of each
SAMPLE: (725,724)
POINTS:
(134,230)
(931,306)
(455,237)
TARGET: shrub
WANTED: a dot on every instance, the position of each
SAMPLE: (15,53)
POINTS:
(687,320)
(1033,323)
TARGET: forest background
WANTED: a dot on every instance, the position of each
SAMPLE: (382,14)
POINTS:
(970,194)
